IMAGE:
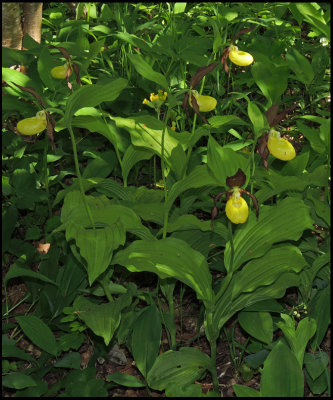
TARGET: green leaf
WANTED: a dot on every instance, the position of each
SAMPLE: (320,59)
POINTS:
(184,366)
(131,157)
(112,221)
(313,136)
(257,118)
(320,311)
(314,17)
(316,364)
(38,332)
(297,338)
(146,132)
(224,162)
(14,352)
(146,71)
(11,75)
(169,258)
(260,279)
(285,221)
(102,319)
(18,380)
(271,80)
(257,324)
(71,360)
(148,326)
(92,95)
(300,66)
(218,121)
(282,375)
(245,391)
(125,379)
(44,65)
(134,41)
(201,176)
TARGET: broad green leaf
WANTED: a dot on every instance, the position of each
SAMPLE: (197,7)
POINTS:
(125,379)
(38,332)
(266,281)
(320,311)
(184,366)
(44,65)
(218,121)
(297,338)
(257,324)
(282,375)
(17,380)
(102,319)
(179,8)
(316,364)
(148,326)
(101,166)
(271,80)
(15,352)
(108,130)
(146,71)
(175,390)
(9,219)
(12,76)
(265,270)
(300,66)
(314,17)
(313,136)
(285,221)
(15,272)
(71,360)
(245,391)
(257,118)
(134,40)
(169,258)
(224,162)
(111,221)
(92,95)
(146,132)
(131,157)
(201,176)
(96,246)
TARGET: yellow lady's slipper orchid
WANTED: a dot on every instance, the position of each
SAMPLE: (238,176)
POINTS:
(236,208)
(205,103)
(60,71)
(279,147)
(240,57)
(33,125)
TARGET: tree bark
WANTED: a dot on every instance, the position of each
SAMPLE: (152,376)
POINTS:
(32,21)
(11,26)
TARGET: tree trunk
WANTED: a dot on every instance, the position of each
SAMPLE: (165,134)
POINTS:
(11,26)
(32,21)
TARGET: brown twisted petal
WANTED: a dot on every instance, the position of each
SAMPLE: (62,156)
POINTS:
(201,72)
(196,109)
(274,118)
(254,201)
(245,30)
(263,149)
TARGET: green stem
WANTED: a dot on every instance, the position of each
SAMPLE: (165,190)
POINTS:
(78,173)
(212,343)
(166,215)
(46,176)
(106,290)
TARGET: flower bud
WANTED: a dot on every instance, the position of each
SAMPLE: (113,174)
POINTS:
(240,57)
(279,147)
(33,125)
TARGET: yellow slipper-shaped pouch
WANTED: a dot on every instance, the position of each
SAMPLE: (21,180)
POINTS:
(205,103)
(33,125)
(240,57)
(236,208)
(279,147)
